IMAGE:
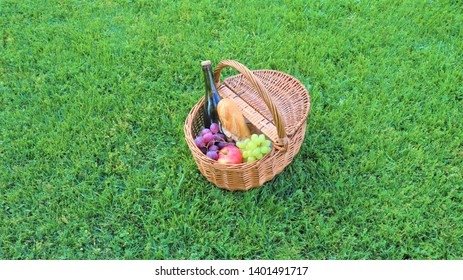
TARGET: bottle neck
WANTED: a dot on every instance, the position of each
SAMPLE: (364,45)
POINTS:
(208,79)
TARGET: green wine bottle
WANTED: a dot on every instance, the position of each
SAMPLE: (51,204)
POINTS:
(212,97)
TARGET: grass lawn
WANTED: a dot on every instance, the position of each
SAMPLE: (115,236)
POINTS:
(94,95)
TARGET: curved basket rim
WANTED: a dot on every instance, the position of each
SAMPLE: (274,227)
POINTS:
(304,91)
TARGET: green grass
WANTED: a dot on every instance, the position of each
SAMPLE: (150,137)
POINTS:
(94,95)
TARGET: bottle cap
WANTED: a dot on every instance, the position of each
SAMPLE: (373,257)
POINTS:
(205,63)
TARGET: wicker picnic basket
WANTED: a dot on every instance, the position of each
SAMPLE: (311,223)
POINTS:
(275,103)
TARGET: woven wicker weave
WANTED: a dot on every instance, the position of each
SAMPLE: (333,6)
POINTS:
(276,103)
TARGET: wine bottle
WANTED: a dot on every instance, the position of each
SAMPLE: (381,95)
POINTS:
(212,97)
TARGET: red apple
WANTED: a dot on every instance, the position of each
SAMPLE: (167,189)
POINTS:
(230,155)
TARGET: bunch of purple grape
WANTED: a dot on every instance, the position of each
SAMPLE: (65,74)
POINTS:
(211,140)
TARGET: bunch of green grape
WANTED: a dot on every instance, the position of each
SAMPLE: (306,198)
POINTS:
(254,148)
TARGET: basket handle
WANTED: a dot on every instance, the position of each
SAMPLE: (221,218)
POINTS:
(282,141)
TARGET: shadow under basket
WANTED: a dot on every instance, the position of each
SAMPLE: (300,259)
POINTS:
(275,103)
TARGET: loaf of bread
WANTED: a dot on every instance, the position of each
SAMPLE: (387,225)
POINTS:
(233,124)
